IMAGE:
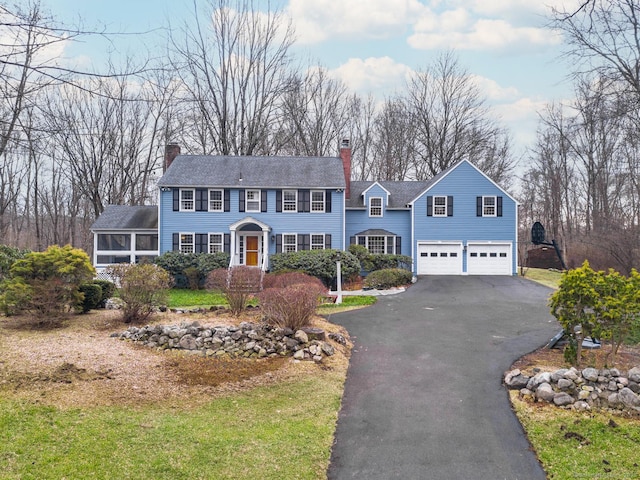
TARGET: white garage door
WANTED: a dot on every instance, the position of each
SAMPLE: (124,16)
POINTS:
(439,258)
(489,259)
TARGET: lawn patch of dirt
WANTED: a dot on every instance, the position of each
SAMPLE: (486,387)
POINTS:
(78,364)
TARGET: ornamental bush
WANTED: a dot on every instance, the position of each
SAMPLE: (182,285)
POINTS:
(143,288)
(108,289)
(8,256)
(177,264)
(371,262)
(317,263)
(237,284)
(286,279)
(46,284)
(292,306)
(91,297)
(605,304)
(388,278)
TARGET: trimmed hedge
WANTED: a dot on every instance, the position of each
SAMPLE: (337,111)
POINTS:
(317,263)
(92,297)
(180,264)
(388,277)
(370,262)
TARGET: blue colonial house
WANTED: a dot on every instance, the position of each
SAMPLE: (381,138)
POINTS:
(458,223)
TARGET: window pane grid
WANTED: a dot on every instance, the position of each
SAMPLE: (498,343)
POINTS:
(187,199)
(289,242)
(253,200)
(186,243)
(317,242)
(215,242)
(489,206)
(375,207)
(317,201)
(376,244)
(439,206)
(289,201)
(215,200)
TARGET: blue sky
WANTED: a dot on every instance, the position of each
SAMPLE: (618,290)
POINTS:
(372,45)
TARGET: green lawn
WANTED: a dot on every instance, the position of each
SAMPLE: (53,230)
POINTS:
(267,433)
(183,297)
(581,445)
(550,278)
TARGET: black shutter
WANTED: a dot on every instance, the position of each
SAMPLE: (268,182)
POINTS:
(327,241)
(499,206)
(201,243)
(304,201)
(278,201)
(398,245)
(327,201)
(279,243)
(201,200)
(227,243)
(304,242)
(176,199)
(450,206)
(478,206)
(227,200)
(241,199)
(429,206)
(263,201)
(176,242)
(352,240)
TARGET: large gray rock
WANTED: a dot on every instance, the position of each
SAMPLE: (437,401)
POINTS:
(515,379)
(301,336)
(634,374)
(628,398)
(545,392)
(188,342)
(563,398)
(590,374)
(565,384)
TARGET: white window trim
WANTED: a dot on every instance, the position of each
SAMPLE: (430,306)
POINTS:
(433,212)
(495,206)
(371,206)
(295,201)
(193,241)
(193,200)
(311,240)
(295,242)
(221,209)
(258,200)
(221,243)
(386,242)
(324,201)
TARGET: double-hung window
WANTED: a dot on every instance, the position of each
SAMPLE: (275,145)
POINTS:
(216,242)
(317,201)
(216,201)
(187,243)
(439,206)
(317,241)
(289,200)
(289,242)
(488,206)
(187,200)
(375,207)
(252,200)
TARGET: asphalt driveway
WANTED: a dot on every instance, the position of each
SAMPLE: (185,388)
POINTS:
(423,397)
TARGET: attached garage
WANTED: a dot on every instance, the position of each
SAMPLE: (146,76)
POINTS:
(489,258)
(439,258)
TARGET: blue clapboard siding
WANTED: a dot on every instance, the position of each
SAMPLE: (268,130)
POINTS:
(465,184)
(280,222)
(397,222)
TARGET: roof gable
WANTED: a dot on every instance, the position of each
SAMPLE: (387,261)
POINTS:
(445,173)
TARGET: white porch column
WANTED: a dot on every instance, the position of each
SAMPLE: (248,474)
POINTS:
(232,247)
(265,249)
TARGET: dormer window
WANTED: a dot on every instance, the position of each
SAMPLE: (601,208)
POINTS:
(375,207)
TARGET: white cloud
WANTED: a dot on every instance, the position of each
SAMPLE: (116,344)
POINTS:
(319,20)
(372,75)
(493,91)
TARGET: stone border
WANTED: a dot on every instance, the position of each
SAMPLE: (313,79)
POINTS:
(580,389)
(248,340)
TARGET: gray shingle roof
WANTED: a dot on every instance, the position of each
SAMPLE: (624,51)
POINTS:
(262,172)
(401,193)
(127,217)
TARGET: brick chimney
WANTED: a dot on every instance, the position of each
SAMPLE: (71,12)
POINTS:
(171,151)
(345,155)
